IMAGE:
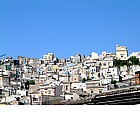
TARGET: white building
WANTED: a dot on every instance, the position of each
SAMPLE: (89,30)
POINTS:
(21,92)
(137,54)
(71,96)
(77,85)
(93,72)
(94,56)
(109,72)
(106,63)
(105,81)
(123,70)
(121,52)
(107,55)
(49,57)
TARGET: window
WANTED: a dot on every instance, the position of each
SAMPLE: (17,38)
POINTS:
(100,91)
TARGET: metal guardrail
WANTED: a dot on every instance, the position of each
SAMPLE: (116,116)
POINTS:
(121,90)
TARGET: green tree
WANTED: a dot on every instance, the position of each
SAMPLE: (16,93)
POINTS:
(31,82)
(84,80)
(117,63)
(27,85)
(114,83)
(133,60)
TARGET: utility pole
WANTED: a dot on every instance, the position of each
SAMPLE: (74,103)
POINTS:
(30,99)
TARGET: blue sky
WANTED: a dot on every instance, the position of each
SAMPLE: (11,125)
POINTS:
(64,27)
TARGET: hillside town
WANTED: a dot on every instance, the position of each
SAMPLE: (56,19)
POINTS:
(49,80)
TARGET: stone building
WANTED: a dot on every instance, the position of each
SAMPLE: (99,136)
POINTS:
(4,80)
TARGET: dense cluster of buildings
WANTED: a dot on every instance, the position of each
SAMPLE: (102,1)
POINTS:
(32,80)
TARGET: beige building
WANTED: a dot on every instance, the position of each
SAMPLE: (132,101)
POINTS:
(49,57)
(50,90)
(66,87)
(94,87)
(121,52)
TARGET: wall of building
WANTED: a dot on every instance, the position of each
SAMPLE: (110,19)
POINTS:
(121,52)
